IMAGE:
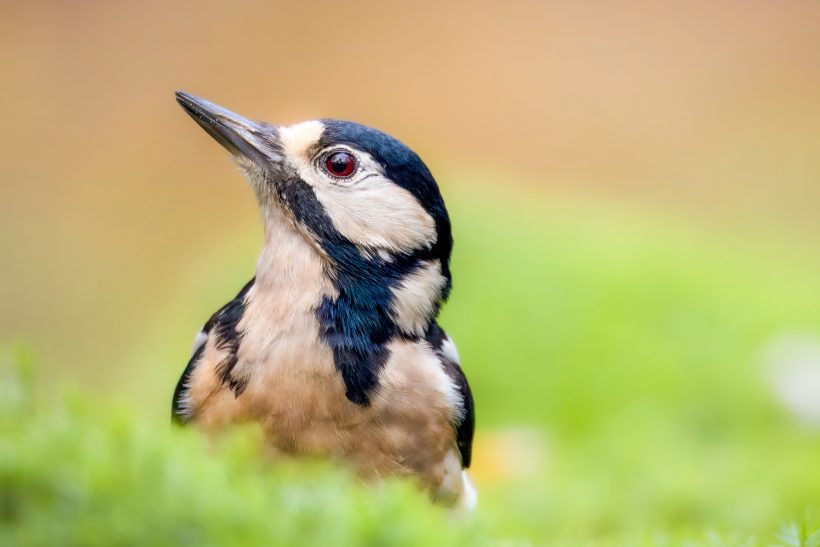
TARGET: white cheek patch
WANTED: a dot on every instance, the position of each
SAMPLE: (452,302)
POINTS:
(414,299)
(378,214)
(372,213)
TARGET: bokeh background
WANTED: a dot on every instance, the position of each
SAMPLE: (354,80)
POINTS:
(635,190)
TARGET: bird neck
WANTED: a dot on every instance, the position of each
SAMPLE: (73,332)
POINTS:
(290,269)
(361,302)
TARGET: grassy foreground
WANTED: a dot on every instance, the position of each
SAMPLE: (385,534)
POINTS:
(85,475)
(624,368)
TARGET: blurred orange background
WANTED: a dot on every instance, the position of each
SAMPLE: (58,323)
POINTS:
(709,110)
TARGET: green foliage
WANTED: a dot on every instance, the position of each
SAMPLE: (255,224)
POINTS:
(88,475)
(618,363)
(805,533)
(634,349)
(595,312)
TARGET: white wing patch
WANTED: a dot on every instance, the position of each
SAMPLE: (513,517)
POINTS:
(183,395)
(469,496)
(449,351)
(456,488)
(199,341)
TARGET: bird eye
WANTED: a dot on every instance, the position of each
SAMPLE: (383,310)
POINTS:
(340,164)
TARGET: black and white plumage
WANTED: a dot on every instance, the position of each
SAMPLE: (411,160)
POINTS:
(333,348)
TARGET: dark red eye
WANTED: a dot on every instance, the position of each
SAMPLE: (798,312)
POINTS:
(340,164)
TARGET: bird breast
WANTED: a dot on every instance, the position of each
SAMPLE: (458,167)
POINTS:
(294,391)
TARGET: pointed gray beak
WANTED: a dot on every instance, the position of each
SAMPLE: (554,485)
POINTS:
(256,141)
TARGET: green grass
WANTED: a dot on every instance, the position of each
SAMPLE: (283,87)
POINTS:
(617,363)
(633,347)
(89,474)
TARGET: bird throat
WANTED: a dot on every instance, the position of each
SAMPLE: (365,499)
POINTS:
(350,307)
(297,300)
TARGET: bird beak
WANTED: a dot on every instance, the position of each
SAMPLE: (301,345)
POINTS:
(242,137)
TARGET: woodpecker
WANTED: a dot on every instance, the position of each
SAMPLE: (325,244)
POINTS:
(333,348)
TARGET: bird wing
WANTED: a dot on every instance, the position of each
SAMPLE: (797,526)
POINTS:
(465,422)
(221,325)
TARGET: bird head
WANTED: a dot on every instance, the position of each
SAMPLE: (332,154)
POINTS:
(364,200)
